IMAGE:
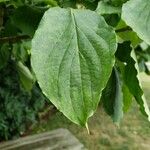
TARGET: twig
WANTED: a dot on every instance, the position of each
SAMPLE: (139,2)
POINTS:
(14,39)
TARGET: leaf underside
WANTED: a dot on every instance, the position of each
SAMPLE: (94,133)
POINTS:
(74,60)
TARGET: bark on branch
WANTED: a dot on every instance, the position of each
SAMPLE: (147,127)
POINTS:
(14,39)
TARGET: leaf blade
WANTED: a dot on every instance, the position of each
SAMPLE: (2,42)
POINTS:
(71,68)
(105,8)
(139,18)
(112,97)
(125,54)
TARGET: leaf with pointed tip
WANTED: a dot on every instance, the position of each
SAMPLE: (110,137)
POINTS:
(136,14)
(127,95)
(74,60)
(131,76)
(112,97)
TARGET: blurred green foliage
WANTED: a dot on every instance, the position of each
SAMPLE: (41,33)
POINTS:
(18,108)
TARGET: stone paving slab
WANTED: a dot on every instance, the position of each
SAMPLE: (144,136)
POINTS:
(59,139)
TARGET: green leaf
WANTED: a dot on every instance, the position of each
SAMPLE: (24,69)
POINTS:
(112,19)
(121,25)
(124,33)
(26,19)
(127,95)
(105,8)
(67,3)
(131,76)
(48,2)
(16,3)
(1,1)
(4,55)
(129,36)
(136,15)
(74,60)
(26,76)
(117,2)
(112,97)
(19,53)
(127,98)
(90,4)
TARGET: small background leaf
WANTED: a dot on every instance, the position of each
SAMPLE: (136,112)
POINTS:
(130,76)
(26,77)
(26,19)
(136,14)
(112,97)
(105,8)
